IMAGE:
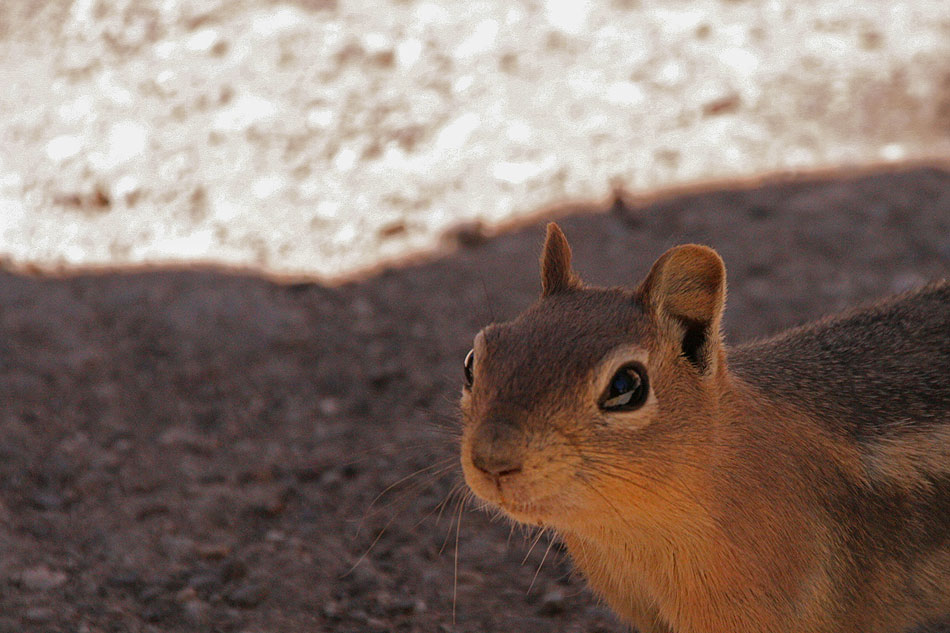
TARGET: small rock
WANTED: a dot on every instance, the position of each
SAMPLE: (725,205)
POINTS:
(553,603)
(197,612)
(158,611)
(186,595)
(233,570)
(42,578)
(39,614)
(401,606)
(48,500)
(332,610)
(214,551)
(248,596)
(178,547)
(152,593)
(205,582)
(329,406)
(363,578)
(125,580)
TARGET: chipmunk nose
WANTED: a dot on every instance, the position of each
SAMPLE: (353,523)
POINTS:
(496,448)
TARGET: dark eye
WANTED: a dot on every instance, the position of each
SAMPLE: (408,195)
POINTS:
(469,364)
(627,390)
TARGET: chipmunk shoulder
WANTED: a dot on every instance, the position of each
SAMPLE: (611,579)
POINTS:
(797,484)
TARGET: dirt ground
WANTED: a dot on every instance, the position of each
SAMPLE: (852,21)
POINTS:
(201,451)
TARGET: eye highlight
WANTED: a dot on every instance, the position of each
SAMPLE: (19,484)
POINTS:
(627,389)
(468,366)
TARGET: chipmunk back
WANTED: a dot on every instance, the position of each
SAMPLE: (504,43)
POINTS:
(798,484)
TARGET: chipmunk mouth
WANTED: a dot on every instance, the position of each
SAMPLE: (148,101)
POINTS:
(536,512)
(521,505)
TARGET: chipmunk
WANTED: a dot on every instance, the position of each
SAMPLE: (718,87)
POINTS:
(799,484)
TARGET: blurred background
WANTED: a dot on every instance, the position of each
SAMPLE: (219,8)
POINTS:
(325,136)
(186,448)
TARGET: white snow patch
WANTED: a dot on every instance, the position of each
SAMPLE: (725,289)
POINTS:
(462,84)
(454,135)
(377,42)
(165,48)
(569,16)
(268,23)
(76,110)
(345,236)
(430,13)
(202,40)
(126,140)
(82,12)
(164,77)
(125,186)
(480,41)
(408,52)
(327,209)
(10,180)
(519,131)
(740,60)
(194,245)
(893,152)
(320,118)
(63,147)
(244,112)
(118,94)
(520,172)
(267,186)
(625,93)
(345,159)
(677,21)
(670,74)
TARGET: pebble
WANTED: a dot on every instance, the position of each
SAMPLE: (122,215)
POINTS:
(205,582)
(197,612)
(214,551)
(157,611)
(125,580)
(48,500)
(42,578)
(39,614)
(233,570)
(248,595)
(553,603)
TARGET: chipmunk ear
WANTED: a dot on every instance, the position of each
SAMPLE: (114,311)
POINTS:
(556,273)
(686,289)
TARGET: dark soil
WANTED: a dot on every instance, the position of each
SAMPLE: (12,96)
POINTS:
(201,451)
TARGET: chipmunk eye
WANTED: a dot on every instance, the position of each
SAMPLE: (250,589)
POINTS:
(627,389)
(468,365)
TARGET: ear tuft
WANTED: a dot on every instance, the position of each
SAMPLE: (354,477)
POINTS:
(556,273)
(687,286)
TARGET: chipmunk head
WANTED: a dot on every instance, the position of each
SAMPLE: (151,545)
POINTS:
(595,397)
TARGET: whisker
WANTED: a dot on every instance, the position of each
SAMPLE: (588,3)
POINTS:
(456,489)
(543,558)
(531,549)
(369,549)
(457,510)
(414,487)
(455,580)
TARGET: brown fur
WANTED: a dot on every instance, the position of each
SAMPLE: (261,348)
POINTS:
(800,484)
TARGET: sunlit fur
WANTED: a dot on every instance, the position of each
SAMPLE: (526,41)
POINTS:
(773,487)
